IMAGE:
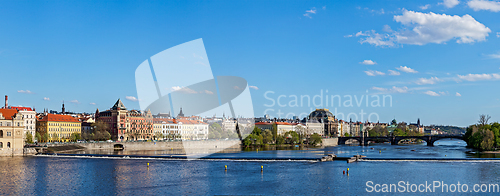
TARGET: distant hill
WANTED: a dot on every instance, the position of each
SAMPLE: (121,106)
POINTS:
(450,129)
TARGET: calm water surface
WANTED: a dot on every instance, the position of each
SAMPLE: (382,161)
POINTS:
(105,176)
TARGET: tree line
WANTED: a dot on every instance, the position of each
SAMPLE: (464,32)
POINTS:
(266,137)
(483,135)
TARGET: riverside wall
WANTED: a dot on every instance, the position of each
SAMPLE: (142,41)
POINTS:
(327,142)
(160,145)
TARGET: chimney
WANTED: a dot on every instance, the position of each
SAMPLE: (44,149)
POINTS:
(6,101)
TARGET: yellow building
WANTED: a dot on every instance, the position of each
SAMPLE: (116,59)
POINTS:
(11,133)
(58,127)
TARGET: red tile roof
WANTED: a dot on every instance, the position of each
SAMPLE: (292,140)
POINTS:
(22,108)
(58,118)
(8,113)
(184,121)
(263,123)
(166,120)
(268,123)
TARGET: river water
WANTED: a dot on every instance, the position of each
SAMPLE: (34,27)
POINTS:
(61,175)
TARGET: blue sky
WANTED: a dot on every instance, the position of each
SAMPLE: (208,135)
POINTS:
(438,60)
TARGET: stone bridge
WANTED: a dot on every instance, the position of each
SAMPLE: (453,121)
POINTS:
(430,139)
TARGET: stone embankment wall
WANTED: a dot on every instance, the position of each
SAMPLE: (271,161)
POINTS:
(162,145)
(8,152)
(330,142)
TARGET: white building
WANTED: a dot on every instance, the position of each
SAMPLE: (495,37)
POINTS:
(29,117)
(192,129)
(315,127)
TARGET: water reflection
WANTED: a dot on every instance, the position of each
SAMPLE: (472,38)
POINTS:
(100,176)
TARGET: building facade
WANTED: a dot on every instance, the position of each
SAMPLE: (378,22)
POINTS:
(127,125)
(29,117)
(58,127)
(11,133)
(192,129)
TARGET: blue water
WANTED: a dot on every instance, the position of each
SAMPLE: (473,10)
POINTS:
(113,176)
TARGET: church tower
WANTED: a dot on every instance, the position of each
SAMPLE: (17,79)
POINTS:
(63,109)
(180,114)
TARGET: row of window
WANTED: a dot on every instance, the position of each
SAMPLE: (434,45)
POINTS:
(63,129)
(8,145)
(8,124)
(64,124)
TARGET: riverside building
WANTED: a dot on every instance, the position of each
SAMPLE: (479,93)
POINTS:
(11,133)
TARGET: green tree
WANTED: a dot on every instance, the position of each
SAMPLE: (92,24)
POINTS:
(38,137)
(75,136)
(267,137)
(399,132)
(274,130)
(29,138)
(280,140)
(247,141)
(315,139)
(45,137)
(106,135)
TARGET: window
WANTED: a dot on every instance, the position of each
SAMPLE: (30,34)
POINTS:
(8,143)
(1,134)
(1,145)
(8,133)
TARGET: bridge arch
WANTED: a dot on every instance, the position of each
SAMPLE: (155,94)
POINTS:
(118,147)
(440,137)
(368,139)
(427,139)
(343,140)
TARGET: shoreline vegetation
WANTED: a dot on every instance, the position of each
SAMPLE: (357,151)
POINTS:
(484,136)
(260,137)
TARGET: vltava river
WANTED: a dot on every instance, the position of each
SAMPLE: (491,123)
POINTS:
(113,176)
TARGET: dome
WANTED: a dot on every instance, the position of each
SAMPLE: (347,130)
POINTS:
(321,114)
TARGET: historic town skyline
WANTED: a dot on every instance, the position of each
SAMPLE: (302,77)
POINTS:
(87,57)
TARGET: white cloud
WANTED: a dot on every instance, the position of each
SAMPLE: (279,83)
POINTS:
(394,73)
(92,104)
(183,89)
(379,88)
(374,73)
(387,28)
(431,93)
(207,92)
(477,5)
(46,99)
(423,28)
(458,94)
(74,101)
(406,69)
(403,89)
(368,62)
(253,87)
(450,3)
(394,89)
(424,7)
(443,93)
(131,98)
(311,11)
(495,56)
(324,7)
(477,77)
(498,34)
(25,91)
(432,80)
(439,28)
(376,39)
